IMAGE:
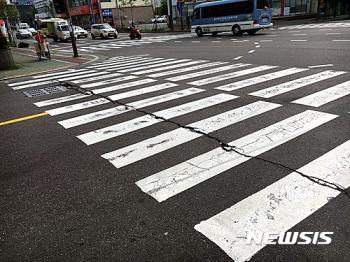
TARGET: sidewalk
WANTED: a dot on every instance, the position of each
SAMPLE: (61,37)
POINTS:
(30,64)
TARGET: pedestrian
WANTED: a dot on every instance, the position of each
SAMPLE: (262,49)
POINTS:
(188,21)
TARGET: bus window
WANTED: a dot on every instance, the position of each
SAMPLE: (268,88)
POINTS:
(262,4)
(196,14)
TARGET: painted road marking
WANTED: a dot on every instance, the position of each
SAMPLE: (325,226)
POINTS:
(149,147)
(96,78)
(95,116)
(295,84)
(100,101)
(161,64)
(146,63)
(206,72)
(230,75)
(110,81)
(23,118)
(260,79)
(278,207)
(320,66)
(168,67)
(183,176)
(325,96)
(182,70)
(49,78)
(96,91)
(109,132)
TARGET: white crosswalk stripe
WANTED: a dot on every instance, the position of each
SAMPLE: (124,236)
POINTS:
(260,79)
(278,207)
(151,146)
(145,121)
(88,118)
(167,62)
(295,84)
(174,180)
(230,75)
(325,96)
(100,101)
(96,91)
(206,72)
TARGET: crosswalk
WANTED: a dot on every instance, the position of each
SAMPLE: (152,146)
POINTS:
(113,44)
(184,87)
(319,26)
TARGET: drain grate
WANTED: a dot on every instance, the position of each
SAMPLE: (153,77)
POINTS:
(44,91)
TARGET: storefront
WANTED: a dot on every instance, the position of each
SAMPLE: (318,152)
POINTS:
(108,16)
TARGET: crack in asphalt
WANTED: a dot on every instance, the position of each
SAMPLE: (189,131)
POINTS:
(224,146)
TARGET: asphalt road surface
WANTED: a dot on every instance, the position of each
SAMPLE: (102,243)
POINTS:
(178,148)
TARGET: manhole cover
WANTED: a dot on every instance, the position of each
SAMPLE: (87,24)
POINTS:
(44,91)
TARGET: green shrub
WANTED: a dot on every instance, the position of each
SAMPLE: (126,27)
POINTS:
(3,42)
(11,44)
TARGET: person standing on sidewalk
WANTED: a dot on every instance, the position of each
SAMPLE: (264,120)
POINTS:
(188,20)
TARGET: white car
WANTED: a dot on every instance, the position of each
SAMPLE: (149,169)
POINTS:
(80,31)
(31,30)
(103,31)
(161,19)
(153,20)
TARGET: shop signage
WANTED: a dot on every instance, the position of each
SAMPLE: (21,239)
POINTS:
(106,12)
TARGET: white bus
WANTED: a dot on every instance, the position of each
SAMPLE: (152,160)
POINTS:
(236,16)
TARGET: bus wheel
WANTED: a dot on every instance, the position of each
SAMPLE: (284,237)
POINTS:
(199,31)
(236,30)
(252,32)
(215,33)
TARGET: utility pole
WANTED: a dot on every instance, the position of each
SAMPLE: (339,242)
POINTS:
(75,50)
(170,13)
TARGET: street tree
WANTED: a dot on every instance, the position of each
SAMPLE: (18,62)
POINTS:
(10,15)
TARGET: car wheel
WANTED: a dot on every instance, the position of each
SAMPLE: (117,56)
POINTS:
(236,30)
(101,35)
(115,36)
(215,33)
(92,35)
(199,31)
(85,36)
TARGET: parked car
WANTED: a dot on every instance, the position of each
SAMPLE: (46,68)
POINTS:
(103,31)
(161,19)
(23,33)
(32,30)
(80,31)
(153,20)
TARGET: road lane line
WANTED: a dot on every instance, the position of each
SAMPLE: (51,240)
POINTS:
(219,78)
(295,84)
(206,72)
(95,116)
(260,79)
(325,96)
(149,147)
(109,132)
(279,206)
(23,118)
(190,173)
